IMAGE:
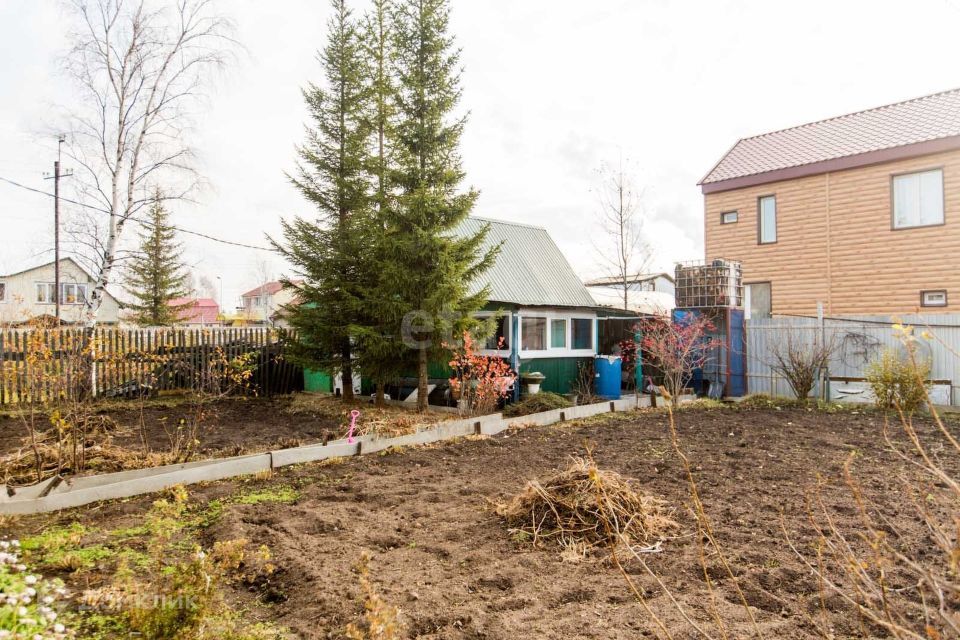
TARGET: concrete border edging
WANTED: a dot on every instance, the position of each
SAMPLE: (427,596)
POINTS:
(58,493)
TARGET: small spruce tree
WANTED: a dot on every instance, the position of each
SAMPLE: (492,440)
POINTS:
(426,267)
(155,275)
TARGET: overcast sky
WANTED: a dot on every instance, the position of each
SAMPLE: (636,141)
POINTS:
(553,87)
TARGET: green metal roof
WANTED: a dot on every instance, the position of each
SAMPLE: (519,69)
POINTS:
(530,269)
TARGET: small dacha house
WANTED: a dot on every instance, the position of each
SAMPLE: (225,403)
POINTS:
(548,321)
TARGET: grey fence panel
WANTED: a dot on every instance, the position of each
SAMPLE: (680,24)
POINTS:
(858,341)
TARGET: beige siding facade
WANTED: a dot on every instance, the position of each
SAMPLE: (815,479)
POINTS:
(835,241)
(20,302)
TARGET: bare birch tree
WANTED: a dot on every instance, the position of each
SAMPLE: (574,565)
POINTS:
(624,252)
(140,67)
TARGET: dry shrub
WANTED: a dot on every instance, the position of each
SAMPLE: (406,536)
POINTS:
(70,446)
(566,509)
(381,621)
(801,359)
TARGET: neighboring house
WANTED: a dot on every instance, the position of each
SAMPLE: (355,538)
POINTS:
(201,312)
(264,304)
(860,212)
(548,320)
(30,294)
(646,293)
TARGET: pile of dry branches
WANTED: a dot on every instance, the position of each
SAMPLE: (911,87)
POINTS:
(584,506)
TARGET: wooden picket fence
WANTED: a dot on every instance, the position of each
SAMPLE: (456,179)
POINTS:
(39,364)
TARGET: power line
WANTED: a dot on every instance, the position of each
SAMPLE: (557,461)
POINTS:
(145,222)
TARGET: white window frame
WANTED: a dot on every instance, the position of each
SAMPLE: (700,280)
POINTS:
(935,200)
(48,298)
(933,292)
(567,351)
(80,293)
(760,225)
(566,333)
(593,333)
(48,290)
(546,333)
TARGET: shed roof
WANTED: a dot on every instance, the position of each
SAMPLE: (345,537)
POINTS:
(530,269)
(914,127)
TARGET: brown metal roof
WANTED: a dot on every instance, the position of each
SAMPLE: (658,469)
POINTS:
(904,129)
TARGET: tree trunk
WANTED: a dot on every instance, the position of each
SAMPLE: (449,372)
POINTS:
(346,372)
(381,401)
(422,393)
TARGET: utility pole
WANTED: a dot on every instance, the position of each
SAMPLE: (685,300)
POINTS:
(56,226)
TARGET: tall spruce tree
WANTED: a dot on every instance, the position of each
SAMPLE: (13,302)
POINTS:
(155,275)
(424,265)
(382,354)
(331,250)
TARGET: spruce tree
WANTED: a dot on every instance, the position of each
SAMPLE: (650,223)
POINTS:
(424,265)
(155,275)
(330,250)
(381,353)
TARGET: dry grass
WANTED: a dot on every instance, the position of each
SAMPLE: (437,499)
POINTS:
(95,451)
(574,508)
(386,421)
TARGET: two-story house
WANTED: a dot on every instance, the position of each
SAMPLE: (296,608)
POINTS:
(860,212)
(264,304)
(31,294)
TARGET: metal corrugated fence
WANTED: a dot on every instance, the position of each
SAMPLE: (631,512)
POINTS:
(858,339)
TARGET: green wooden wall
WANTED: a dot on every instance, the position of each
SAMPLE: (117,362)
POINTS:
(561,372)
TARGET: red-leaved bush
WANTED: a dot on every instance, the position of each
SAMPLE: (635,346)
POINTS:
(677,348)
(479,382)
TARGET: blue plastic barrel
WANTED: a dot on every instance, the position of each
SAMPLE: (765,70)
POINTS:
(607,374)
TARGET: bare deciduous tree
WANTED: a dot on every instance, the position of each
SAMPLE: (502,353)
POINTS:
(624,252)
(139,68)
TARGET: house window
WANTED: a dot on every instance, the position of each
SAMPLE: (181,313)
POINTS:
(558,334)
(70,293)
(935,298)
(73,293)
(758,300)
(582,333)
(534,334)
(918,199)
(767,219)
(729,217)
(3,291)
(500,338)
(45,293)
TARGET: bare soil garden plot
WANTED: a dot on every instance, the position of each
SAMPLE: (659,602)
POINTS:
(441,554)
(232,426)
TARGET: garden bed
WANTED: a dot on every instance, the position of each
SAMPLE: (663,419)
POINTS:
(135,435)
(441,554)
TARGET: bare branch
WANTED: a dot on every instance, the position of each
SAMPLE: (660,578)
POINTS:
(139,70)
